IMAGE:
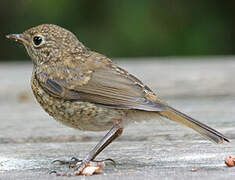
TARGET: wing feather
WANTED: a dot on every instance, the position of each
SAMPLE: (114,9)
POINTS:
(108,85)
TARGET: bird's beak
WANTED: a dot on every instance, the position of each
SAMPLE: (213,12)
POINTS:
(17,37)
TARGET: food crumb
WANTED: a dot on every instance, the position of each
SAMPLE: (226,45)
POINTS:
(23,97)
(93,168)
(230,161)
(131,173)
(194,169)
(119,173)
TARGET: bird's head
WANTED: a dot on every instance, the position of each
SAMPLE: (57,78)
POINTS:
(48,42)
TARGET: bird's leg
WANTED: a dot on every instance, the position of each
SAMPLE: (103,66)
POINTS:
(113,133)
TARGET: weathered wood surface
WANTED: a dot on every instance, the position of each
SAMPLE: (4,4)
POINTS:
(158,149)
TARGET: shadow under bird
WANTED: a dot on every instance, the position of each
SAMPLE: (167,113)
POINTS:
(86,90)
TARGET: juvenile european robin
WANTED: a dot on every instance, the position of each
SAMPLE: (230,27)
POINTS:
(86,90)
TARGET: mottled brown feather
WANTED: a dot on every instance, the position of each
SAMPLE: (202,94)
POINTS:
(103,83)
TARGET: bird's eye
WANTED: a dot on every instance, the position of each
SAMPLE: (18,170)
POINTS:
(37,40)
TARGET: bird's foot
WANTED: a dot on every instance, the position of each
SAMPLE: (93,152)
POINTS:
(71,163)
(74,161)
(82,167)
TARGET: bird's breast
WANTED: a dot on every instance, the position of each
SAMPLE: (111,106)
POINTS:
(77,114)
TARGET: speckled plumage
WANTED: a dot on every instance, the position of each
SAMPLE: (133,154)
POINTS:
(76,114)
(86,90)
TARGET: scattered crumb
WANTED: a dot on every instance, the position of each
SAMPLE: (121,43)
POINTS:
(131,173)
(23,97)
(119,173)
(194,170)
(90,170)
(230,161)
(93,168)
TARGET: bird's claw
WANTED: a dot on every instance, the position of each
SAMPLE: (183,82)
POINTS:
(106,160)
(84,168)
(73,161)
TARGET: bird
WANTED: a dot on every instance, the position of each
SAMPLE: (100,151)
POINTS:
(86,90)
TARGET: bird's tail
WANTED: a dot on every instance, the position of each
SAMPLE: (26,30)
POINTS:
(201,128)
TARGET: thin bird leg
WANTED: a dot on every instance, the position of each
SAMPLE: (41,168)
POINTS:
(113,133)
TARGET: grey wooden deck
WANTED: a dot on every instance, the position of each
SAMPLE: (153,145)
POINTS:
(159,149)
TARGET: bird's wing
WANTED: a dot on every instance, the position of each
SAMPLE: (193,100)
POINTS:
(101,82)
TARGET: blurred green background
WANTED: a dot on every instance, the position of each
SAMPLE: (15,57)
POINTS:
(128,28)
